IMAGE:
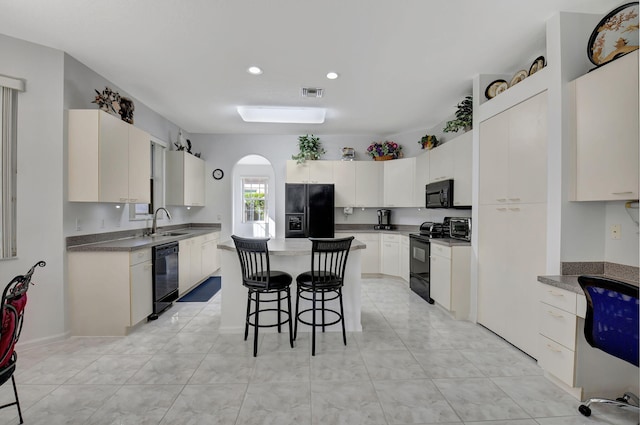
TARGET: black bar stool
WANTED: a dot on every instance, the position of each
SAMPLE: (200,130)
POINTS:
(259,279)
(326,277)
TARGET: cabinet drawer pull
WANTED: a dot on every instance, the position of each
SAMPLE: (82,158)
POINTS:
(514,199)
(514,209)
(556,315)
(501,209)
(552,348)
(133,200)
(621,193)
(555,294)
(123,199)
(501,199)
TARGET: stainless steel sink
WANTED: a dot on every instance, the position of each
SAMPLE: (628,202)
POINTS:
(172,234)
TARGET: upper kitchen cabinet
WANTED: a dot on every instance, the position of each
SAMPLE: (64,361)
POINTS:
(109,160)
(441,162)
(606,132)
(462,165)
(422,179)
(369,178)
(451,160)
(399,180)
(513,159)
(344,174)
(185,179)
(310,172)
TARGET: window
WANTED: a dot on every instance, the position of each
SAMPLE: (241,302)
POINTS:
(9,88)
(156,181)
(254,195)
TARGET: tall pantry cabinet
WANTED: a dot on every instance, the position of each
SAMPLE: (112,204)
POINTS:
(512,220)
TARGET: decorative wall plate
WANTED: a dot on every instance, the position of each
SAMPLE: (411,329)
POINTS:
(537,65)
(495,88)
(520,75)
(615,35)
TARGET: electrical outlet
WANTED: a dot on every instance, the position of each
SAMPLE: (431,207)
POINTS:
(348,210)
(102,224)
(614,230)
(78,224)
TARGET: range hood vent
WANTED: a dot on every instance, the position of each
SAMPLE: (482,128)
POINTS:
(312,92)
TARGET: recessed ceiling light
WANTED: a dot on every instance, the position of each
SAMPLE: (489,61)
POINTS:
(286,115)
(332,75)
(254,70)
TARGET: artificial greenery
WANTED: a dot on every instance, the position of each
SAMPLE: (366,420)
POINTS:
(428,141)
(464,116)
(310,148)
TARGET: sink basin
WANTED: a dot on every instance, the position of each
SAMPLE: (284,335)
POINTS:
(172,234)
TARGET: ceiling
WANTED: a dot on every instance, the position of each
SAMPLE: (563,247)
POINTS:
(403,65)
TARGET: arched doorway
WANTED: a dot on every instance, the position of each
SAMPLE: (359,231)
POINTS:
(253,197)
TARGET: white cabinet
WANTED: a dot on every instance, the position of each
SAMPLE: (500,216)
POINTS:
(399,180)
(344,174)
(513,154)
(390,253)
(369,187)
(109,160)
(462,167)
(210,255)
(189,264)
(421,179)
(512,221)
(450,278)
(441,162)
(404,257)
(141,276)
(318,171)
(185,179)
(109,292)
(606,145)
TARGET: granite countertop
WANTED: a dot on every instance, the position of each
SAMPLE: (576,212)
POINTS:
(287,247)
(450,242)
(134,239)
(571,271)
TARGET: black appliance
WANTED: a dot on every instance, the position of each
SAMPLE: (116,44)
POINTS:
(309,210)
(384,220)
(460,228)
(439,194)
(420,253)
(165,277)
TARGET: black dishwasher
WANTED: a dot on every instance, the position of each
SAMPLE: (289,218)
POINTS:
(165,277)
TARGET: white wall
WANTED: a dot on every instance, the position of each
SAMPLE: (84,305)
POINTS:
(39,185)
(624,250)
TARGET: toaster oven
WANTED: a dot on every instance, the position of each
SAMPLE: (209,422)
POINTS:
(460,228)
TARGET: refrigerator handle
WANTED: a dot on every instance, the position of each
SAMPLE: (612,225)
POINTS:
(306,221)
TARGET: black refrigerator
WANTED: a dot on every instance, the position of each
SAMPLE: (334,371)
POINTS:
(309,210)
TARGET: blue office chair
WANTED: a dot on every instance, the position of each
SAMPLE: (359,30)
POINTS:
(611,325)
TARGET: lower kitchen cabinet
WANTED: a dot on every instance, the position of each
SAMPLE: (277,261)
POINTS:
(390,253)
(405,253)
(197,259)
(450,278)
(109,291)
(370,256)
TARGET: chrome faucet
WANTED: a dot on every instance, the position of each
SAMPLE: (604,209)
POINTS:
(154,226)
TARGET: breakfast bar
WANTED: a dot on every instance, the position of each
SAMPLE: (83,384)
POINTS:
(292,256)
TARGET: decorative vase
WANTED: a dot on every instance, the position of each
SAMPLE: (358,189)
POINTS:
(383,158)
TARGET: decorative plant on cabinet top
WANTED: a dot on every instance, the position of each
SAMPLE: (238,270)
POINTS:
(464,117)
(382,151)
(310,149)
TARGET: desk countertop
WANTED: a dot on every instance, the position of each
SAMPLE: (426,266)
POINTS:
(570,282)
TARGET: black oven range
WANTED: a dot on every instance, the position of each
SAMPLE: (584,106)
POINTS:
(420,251)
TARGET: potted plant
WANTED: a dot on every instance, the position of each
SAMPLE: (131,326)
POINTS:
(464,117)
(310,148)
(429,141)
(382,151)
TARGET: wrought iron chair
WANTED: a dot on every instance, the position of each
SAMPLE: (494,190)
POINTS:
(611,325)
(259,279)
(14,300)
(328,264)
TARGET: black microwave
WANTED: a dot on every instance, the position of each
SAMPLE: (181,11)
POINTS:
(439,194)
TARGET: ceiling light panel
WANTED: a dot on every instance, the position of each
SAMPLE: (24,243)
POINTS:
(282,115)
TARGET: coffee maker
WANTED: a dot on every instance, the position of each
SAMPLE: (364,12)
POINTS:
(384,220)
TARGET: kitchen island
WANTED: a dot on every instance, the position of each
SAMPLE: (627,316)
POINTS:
(292,256)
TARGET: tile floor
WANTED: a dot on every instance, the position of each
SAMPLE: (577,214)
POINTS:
(412,364)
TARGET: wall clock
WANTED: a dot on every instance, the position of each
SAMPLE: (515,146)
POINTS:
(217,174)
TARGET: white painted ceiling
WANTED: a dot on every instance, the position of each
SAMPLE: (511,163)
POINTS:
(403,64)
